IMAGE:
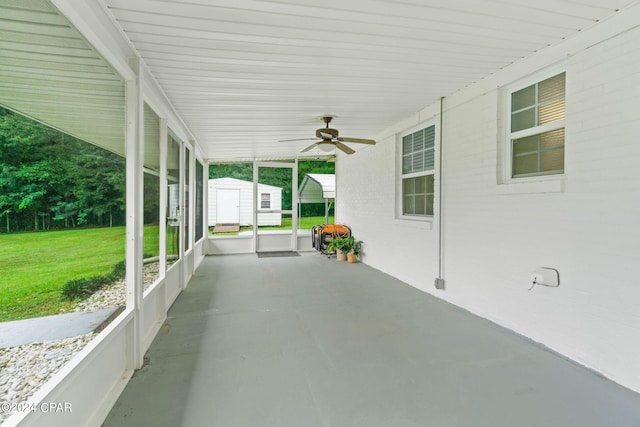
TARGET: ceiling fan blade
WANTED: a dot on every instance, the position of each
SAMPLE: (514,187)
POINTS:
(357,140)
(300,139)
(309,147)
(344,148)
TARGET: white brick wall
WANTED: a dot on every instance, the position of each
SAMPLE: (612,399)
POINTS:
(368,207)
(589,229)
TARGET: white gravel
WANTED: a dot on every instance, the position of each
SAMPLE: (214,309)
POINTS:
(24,369)
(115,294)
(27,367)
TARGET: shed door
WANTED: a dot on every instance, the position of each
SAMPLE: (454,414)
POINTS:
(228,206)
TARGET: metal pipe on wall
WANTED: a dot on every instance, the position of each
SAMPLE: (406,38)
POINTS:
(440,282)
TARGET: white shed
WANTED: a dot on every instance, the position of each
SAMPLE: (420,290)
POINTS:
(230,202)
(318,188)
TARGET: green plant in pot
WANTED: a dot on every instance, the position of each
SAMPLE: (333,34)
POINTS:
(339,246)
(353,249)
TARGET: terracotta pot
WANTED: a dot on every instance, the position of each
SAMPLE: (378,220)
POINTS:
(340,256)
(351,258)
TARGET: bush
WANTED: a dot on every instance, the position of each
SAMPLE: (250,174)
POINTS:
(119,271)
(85,287)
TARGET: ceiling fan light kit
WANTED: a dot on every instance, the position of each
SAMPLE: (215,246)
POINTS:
(330,139)
(326,147)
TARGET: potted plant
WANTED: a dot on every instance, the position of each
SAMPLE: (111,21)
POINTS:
(339,246)
(353,249)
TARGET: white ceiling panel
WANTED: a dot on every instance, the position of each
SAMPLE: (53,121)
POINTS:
(244,74)
(49,72)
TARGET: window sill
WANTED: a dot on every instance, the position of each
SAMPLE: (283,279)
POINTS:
(425,223)
(532,186)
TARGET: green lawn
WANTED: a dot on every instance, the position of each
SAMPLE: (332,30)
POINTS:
(35,266)
(306,223)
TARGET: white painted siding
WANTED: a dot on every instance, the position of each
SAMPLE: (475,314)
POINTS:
(246,201)
(585,225)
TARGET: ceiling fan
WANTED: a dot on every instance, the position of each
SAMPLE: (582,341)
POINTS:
(329,138)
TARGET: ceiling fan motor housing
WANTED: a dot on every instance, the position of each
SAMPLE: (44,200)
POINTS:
(327,133)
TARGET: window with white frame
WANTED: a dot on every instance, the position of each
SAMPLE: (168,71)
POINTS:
(418,158)
(536,128)
(265,200)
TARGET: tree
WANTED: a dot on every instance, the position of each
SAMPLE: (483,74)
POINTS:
(243,171)
(22,170)
(45,173)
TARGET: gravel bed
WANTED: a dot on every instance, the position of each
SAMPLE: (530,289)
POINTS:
(24,369)
(115,294)
(27,367)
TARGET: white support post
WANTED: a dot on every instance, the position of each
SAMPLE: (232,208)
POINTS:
(164,140)
(181,205)
(294,206)
(134,210)
(192,198)
(326,211)
(189,217)
(255,206)
(205,205)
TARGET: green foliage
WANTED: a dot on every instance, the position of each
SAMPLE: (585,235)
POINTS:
(51,180)
(314,166)
(346,245)
(356,246)
(119,270)
(35,266)
(307,223)
(339,244)
(85,287)
(243,171)
(304,223)
(151,199)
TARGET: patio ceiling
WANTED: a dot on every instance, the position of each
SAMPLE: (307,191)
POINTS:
(49,72)
(243,74)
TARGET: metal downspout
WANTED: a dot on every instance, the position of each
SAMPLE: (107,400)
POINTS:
(439,282)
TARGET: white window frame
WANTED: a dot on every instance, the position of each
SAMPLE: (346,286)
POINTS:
(536,130)
(262,200)
(400,176)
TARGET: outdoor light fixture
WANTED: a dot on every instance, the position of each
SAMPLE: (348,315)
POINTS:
(326,146)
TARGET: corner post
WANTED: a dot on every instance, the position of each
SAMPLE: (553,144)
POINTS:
(134,211)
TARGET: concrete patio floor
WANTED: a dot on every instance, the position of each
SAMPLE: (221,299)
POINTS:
(306,341)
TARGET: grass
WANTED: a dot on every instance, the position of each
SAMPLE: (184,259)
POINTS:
(35,266)
(305,223)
